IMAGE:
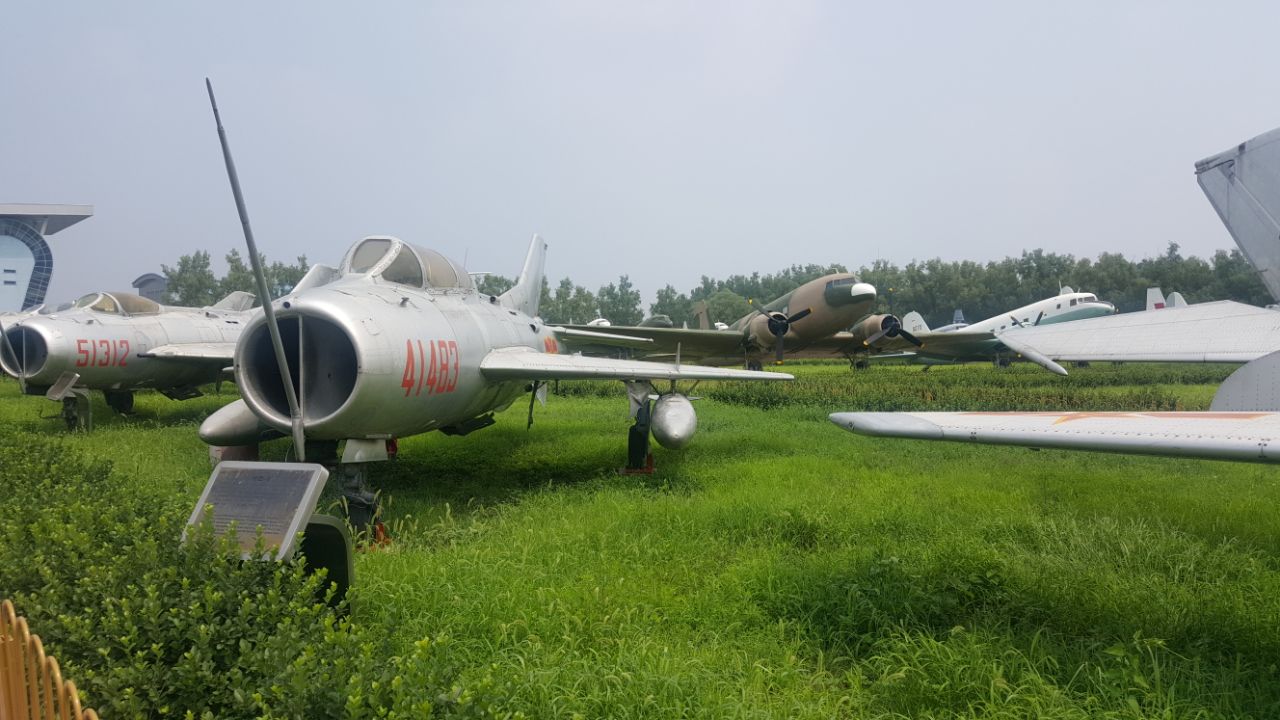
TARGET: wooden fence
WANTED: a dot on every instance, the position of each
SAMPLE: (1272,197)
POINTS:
(31,685)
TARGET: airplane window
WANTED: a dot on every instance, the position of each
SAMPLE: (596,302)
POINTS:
(1073,301)
(368,254)
(100,302)
(842,281)
(1088,298)
(405,269)
(87,300)
(1059,306)
(136,304)
(443,272)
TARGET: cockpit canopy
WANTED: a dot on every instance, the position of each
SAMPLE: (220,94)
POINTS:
(119,303)
(397,261)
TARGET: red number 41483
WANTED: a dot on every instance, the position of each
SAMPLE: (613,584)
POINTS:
(432,366)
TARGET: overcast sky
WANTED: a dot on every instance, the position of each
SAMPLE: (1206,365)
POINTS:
(664,140)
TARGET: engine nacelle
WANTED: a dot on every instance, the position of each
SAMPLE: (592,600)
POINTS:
(873,325)
(673,421)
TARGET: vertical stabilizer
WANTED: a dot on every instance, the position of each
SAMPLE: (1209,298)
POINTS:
(527,291)
(1243,185)
(1155,299)
(913,322)
(704,316)
(958,317)
(1176,300)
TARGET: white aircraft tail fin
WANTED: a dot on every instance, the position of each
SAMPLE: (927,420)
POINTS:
(957,318)
(913,322)
(237,300)
(1243,185)
(1155,299)
(1176,300)
(527,292)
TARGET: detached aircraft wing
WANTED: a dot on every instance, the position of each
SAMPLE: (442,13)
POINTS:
(210,352)
(1248,436)
(1223,331)
(522,363)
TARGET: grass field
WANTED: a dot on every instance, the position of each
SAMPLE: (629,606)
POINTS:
(781,567)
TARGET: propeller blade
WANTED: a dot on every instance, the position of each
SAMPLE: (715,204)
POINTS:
(910,338)
(778,351)
(1039,318)
(872,340)
(1015,321)
(802,314)
(295,410)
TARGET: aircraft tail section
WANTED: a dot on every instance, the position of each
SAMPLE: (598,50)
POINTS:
(913,322)
(1176,300)
(527,292)
(701,312)
(237,300)
(1155,299)
(957,318)
(1243,185)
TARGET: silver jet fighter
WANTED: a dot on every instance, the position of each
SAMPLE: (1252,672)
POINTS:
(120,342)
(397,341)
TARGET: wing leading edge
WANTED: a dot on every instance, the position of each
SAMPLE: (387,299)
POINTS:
(521,363)
(1246,436)
(1222,331)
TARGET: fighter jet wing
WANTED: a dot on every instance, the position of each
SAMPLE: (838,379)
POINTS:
(522,363)
(1251,436)
(211,352)
(693,344)
(1208,332)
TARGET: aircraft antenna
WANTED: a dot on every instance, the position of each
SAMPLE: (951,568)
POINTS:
(295,411)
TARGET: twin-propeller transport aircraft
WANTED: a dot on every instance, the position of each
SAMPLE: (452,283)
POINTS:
(985,340)
(809,318)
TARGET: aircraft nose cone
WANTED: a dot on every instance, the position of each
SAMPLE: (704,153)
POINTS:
(862,292)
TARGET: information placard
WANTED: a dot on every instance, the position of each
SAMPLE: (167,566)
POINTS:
(276,497)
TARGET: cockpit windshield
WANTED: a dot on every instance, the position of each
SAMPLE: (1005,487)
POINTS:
(399,262)
(118,304)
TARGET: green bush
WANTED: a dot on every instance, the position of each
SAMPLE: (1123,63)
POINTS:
(151,627)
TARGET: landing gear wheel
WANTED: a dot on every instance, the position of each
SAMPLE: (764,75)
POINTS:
(754,365)
(71,413)
(120,400)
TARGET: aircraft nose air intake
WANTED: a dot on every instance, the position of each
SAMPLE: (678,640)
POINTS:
(322,363)
(30,351)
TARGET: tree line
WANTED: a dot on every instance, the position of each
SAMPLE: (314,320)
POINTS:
(191,282)
(934,288)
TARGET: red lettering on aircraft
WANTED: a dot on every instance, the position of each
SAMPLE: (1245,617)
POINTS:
(436,374)
(102,353)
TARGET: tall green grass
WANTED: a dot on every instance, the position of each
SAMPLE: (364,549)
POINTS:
(780,567)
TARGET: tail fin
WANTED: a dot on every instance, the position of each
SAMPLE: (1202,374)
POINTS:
(913,322)
(1242,185)
(1176,300)
(1155,299)
(237,300)
(704,316)
(957,318)
(527,292)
